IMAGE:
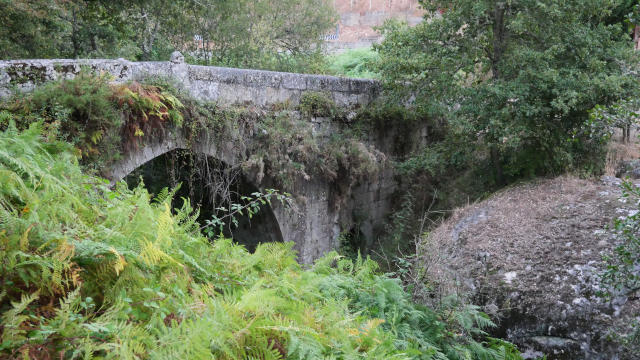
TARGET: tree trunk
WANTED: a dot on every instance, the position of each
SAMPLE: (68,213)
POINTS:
(74,33)
(498,50)
(636,37)
(496,161)
(498,38)
(149,33)
(94,44)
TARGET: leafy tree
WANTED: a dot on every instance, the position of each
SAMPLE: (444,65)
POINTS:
(272,34)
(158,25)
(515,78)
(29,29)
(64,28)
(97,29)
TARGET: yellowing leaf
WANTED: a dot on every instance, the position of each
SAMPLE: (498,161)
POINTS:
(24,239)
(120,262)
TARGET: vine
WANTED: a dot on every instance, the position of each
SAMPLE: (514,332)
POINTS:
(249,206)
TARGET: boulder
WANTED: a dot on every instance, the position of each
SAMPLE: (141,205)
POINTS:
(629,169)
(531,255)
(177,57)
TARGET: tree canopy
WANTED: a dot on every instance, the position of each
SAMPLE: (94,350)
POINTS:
(517,77)
(279,35)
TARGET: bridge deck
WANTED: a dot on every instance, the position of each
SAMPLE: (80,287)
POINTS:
(223,85)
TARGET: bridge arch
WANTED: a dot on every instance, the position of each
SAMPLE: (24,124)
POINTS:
(264,227)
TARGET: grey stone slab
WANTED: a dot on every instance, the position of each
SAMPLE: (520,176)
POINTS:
(294,81)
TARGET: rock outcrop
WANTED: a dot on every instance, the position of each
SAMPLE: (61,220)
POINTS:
(628,169)
(531,255)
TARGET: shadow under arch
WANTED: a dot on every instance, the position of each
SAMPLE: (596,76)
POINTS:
(150,162)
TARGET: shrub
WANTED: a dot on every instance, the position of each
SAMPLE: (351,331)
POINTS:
(95,115)
(356,63)
(622,275)
(318,104)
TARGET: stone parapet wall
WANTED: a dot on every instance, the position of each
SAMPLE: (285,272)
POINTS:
(226,86)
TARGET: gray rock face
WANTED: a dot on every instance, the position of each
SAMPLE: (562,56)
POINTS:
(177,57)
(531,255)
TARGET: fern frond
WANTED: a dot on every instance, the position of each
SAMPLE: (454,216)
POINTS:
(13,319)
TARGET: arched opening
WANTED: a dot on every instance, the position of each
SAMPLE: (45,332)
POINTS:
(211,185)
(352,243)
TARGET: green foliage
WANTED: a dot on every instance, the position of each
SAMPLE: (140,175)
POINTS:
(318,104)
(88,271)
(249,206)
(148,110)
(281,35)
(628,11)
(622,275)
(395,122)
(513,79)
(95,115)
(355,63)
(287,149)
(61,28)
(426,334)
(25,29)
(604,120)
(79,111)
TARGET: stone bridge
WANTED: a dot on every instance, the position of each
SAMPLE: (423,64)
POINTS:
(313,222)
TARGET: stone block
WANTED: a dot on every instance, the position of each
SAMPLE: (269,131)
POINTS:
(205,90)
(276,95)
(360,85)
(294,81)
(340,84)
(345,99)
(318,83)
(257,78)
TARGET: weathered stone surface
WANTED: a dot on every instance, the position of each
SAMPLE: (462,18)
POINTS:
(531,256)
(225,85)
(312,222)
(177,57)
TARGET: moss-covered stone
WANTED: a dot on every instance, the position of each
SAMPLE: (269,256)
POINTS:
(23,73)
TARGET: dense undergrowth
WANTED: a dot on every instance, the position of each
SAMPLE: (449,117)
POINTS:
(90,272)
(95,115)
